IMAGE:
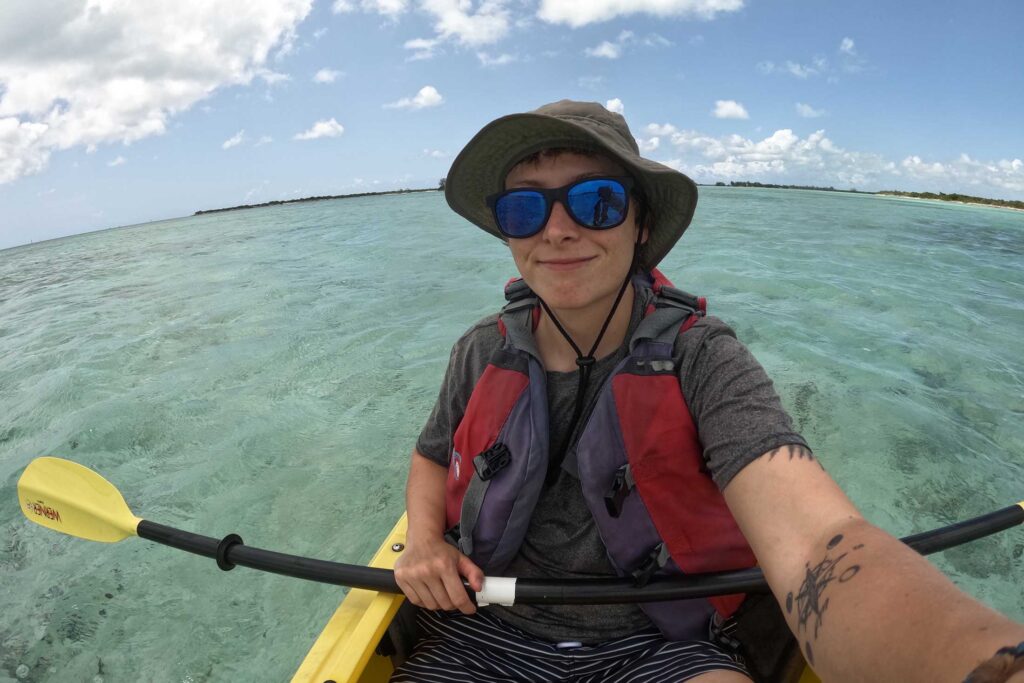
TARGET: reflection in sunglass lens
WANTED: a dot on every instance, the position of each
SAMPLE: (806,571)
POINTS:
(598,203)
(521,213)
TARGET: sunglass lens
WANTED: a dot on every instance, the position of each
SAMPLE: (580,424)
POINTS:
(521,213)
(598,203)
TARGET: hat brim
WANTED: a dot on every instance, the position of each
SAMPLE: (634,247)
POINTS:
(481,167)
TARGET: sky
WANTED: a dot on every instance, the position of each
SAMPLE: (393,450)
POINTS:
(118,112)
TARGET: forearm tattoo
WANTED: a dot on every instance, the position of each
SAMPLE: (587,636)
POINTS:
(794,450)
(810,602)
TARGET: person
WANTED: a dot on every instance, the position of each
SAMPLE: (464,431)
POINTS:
(602,425)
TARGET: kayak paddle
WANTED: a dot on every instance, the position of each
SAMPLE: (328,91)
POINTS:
(72,499)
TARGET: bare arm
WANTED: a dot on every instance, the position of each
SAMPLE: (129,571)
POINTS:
(430,570)
(863,606)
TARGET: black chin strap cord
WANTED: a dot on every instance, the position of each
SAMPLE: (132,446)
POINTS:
(585,363)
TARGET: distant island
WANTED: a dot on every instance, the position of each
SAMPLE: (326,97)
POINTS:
(279,202)
(941,196)
(959,198)
(743,183)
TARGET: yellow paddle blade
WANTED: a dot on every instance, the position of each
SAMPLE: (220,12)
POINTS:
(72,499)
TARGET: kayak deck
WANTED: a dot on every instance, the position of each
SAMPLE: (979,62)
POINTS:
(345,652)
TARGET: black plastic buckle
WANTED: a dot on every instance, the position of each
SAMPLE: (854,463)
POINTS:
(491,461)
(616,495)
(642,574)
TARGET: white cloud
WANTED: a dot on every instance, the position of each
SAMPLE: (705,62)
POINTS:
(818,66)
(801,70)
(606,50)
(661,129)
(851,61)
(389,8)
(85,74)
(615,105)
(578,13)
(649,145)
(265,140)
(500,60)
(273,77)
(326,76)
(808,112)
(729,109)
(783,157)
(120,160)
(611,50)
(328,128)
(456,20)
(234,140)
(657,40)
(320,33)
(426,97)
(424,48)
(435,154)
(590,82)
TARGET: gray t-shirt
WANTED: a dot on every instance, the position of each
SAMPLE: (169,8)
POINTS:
(738,417)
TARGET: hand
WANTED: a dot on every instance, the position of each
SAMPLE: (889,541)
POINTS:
(430,574)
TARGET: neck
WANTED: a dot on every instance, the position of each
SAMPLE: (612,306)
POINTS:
(583,325)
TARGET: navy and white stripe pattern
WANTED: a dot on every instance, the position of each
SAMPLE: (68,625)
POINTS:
(481,648)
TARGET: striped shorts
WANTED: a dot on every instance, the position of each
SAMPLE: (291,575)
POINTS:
(483,649)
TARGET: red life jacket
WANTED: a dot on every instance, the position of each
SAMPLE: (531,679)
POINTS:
(641,463)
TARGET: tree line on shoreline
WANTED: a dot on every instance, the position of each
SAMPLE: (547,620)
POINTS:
(942,196)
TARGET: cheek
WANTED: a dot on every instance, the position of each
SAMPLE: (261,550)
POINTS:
(520,252)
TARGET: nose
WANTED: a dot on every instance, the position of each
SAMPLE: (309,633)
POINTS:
(560,225)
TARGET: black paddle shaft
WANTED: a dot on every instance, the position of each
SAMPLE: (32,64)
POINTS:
(230,551)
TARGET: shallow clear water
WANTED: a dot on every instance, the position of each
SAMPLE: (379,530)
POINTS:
(266,372)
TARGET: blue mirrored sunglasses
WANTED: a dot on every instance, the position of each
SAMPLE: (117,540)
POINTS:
(595,203)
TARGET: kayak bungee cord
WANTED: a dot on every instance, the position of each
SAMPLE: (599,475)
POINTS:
(70,498)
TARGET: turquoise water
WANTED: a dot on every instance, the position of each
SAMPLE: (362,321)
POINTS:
(266,372)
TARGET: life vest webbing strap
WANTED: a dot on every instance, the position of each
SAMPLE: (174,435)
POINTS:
(471,504)
(661,325)
(518,320)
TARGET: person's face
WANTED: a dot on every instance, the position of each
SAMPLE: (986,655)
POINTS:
(571,267)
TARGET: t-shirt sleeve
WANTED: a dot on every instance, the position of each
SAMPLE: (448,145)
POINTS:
(466,364)
(736,410)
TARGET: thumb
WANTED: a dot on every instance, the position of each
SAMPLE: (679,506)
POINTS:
(473,573)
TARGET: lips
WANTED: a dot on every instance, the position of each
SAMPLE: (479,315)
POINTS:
(566,263)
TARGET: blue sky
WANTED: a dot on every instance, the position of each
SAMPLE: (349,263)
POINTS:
(114,112)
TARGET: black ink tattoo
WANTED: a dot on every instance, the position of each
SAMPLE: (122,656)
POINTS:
(810,600)
(794,450)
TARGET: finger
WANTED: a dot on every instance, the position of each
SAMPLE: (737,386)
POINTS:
(473,573)
(457,593)
(411,593)
(430,596)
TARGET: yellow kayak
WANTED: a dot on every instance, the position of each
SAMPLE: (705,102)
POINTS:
(363,639)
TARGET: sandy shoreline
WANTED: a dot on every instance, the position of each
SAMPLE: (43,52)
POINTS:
(949,201)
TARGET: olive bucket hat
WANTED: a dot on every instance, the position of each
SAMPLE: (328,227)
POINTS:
(481,167)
